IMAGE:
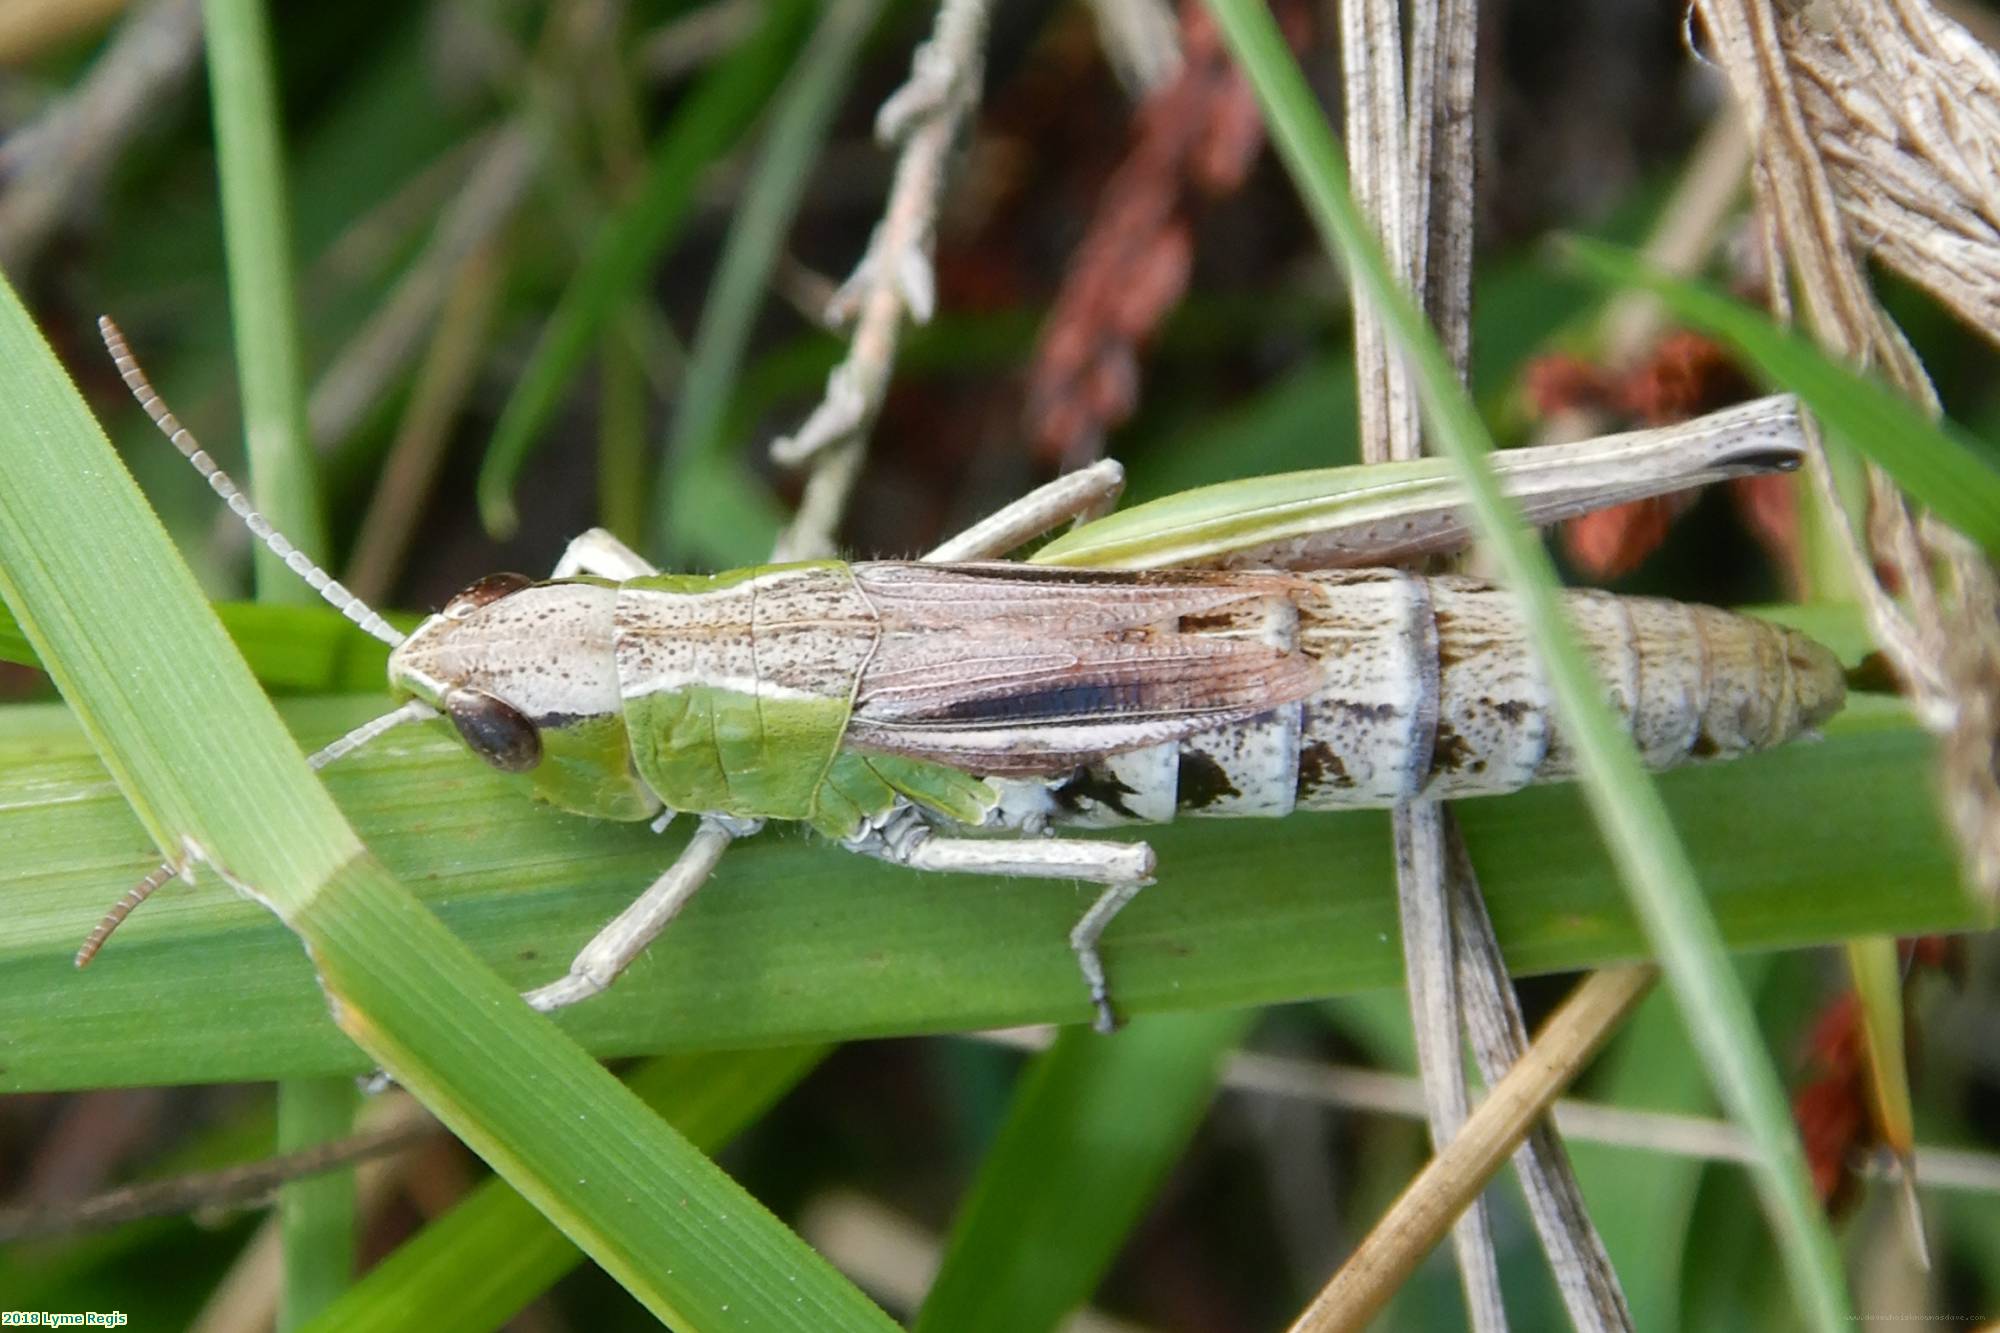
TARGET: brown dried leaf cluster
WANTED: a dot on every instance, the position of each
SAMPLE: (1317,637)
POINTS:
(1876,131)
(1904,114)
(1194,140)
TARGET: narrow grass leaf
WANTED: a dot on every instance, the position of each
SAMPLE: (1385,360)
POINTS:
(316,1214)
(1651,861)
(200,753)
(706,124)
(1932,460)
(1094,1127)
(257,242)
(1877,969)
(315,1217)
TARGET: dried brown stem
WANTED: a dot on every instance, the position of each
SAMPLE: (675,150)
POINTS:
(248,1185)
(894,279)
(1421,1215)
(1869,120)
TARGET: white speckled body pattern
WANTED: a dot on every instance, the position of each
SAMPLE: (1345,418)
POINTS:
(1429,689)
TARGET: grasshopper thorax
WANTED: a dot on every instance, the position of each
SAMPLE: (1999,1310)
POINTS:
(509,657)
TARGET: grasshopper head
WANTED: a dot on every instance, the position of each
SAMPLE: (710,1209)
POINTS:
(507,657)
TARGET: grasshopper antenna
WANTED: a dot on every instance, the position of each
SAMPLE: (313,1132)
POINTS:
(413,710)
(295,560)
(219,481)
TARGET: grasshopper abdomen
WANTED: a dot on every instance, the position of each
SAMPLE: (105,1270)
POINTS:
(1430,690)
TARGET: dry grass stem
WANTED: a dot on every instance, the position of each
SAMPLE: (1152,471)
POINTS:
(1141,41)
(1421,1215)
(444,381)
(1412,157)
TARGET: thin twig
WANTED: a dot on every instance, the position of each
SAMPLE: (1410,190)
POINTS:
(245,1186)
(1671,1133)
(895,277)
(245,1299)
(1442,1190)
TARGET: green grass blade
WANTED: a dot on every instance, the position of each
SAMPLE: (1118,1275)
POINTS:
(201,755)
(1650,859)
(800,120)
(258,245)
(705,125)
(475,1267)
(1804,845)
(1932,460)
(297,649)
(1057,1194)
(315,1215)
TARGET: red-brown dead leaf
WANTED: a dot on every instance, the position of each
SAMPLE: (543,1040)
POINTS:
(1193,140)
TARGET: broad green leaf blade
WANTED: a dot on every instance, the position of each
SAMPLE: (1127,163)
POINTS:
(1932,460)
(1093,1128)
(704,126)
(797,942)
(1382,513)
(200,753)
(1651,861)
(801,117)
(478,1265)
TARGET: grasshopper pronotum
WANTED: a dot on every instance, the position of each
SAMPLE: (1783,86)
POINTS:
(897,706)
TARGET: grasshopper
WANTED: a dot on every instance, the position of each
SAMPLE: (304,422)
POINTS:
(1244,657)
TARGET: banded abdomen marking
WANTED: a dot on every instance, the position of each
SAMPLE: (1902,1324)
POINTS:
(1430,689)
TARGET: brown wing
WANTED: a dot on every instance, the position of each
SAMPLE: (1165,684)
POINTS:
(1018,670)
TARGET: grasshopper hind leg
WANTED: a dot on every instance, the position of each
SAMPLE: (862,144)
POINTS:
(1123,868)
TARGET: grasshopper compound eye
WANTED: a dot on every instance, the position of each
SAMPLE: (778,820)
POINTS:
(494,729)
(484,592)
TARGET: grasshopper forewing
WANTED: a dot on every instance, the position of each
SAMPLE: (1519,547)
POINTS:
(946,714)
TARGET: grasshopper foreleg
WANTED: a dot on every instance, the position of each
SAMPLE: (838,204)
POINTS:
(626,935)
(1123,867)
